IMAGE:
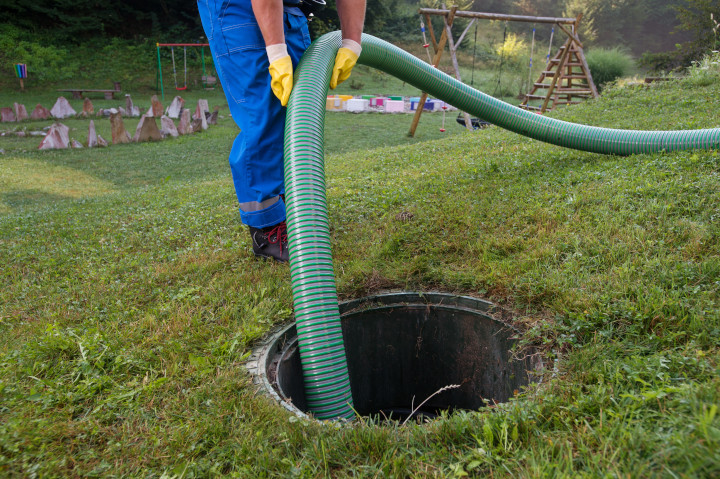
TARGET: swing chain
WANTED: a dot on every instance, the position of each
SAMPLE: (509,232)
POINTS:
(502,59)
(532,51)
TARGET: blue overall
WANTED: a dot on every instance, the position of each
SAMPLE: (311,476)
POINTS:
(238,50)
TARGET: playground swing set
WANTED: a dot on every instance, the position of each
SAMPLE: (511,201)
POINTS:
(565,80)
(208,81)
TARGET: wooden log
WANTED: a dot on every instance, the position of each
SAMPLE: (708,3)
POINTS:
(654,79)
(571,35)
(499,16)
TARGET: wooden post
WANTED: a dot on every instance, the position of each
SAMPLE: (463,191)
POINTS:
(438,53)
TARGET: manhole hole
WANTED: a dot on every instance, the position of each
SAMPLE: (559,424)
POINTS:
(402,348)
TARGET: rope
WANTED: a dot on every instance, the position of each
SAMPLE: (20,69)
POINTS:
(172,53)
(552,33)
(185,60)
(532,50)
(425,42)
(472,75)
(472,82)
(502,60)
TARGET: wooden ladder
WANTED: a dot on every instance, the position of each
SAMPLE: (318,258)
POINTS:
(569,77)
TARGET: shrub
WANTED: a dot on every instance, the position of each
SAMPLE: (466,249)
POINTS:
(45,62)
(661,62)
(704,72)
(512,49)
(607,65)
(99,62)
(356,85)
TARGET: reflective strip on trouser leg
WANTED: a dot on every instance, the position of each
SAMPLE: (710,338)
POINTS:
(258,205)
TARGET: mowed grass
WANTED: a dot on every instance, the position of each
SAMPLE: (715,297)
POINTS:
(129,299)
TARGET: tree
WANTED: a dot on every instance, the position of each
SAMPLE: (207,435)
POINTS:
(76,21)
(463,5)
(377,14)
(537,8)
(698,18)
(639,25)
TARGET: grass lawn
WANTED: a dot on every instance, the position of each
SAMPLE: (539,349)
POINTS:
(129,298)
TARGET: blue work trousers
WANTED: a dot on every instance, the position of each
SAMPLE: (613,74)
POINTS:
(238,50)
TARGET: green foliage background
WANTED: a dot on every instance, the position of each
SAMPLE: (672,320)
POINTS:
(116,40)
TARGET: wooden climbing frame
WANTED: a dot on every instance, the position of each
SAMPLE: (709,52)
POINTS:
(566,79)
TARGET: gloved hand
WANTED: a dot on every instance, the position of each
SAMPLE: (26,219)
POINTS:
(281,72)
(345,60)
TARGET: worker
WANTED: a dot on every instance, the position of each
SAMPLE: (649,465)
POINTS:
(256,44)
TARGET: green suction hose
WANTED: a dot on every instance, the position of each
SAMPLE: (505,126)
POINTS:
(322,351)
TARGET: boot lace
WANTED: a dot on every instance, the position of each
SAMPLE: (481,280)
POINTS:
(280,234)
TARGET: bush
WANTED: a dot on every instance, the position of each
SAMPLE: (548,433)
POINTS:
(45,62)
(512,50)
(96,63)
(704,72)
(662,62)
(607,65)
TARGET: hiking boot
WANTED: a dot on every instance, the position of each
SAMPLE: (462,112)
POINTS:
(271,242)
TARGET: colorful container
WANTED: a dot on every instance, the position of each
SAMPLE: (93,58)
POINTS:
(334,103)
(429,105)
(394,106)
(357,105)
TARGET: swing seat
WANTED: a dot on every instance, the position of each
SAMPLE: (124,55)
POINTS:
(180,88)
(477,123)
(208,82)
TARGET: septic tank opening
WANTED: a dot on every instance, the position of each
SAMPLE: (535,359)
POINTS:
(402,348)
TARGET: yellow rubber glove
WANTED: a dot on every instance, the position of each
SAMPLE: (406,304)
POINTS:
(281,74)
(345,60)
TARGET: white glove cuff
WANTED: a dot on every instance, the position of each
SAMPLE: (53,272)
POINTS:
(352,45)
(276,52)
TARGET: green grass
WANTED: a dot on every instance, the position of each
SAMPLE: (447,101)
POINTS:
(129,299)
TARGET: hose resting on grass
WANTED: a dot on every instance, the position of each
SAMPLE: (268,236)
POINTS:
(322,351)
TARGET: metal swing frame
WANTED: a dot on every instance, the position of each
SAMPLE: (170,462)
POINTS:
(159,78)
